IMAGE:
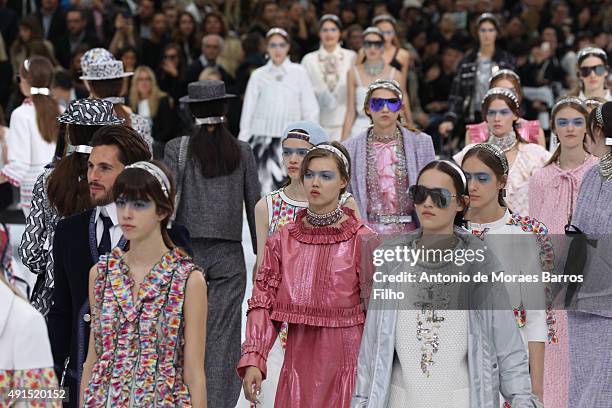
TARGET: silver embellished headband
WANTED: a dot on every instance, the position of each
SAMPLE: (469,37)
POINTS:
(372,30)
(389,84)
(568,100)
(583,53)
(459,171)
(592,103)
(499,72)
(335,151)
(212,120)
(503,92)
(384,17)
(156,172)
(599,115)
(497,151)
(278,31)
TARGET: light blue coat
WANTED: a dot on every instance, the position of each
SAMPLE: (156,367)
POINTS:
(497,360)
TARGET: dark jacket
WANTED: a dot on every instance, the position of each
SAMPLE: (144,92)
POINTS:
(462,90)
(212,207)
(62,47)
(57,28)
(74,253)
(194,69)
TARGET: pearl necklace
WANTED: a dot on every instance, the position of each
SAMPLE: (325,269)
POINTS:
(605,166)
(586,157)
(373,69)
(324,220)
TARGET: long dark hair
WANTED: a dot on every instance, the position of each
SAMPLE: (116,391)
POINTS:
(216,150)
(108,88)
(139,184)
(67,186)
(454,173)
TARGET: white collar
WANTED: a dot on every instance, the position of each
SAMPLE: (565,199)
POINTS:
(7,297)
(284,67)
(492,225)
(109,210)
(324,53)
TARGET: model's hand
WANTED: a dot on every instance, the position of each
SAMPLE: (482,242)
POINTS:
(445,128)
(252,383)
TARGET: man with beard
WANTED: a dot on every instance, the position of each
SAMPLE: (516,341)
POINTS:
(79,241)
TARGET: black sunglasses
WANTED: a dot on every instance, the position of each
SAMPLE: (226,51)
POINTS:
(375,44)
(599,70)
(440,196)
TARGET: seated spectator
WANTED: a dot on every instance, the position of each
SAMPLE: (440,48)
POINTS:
(153,47)
(231,55)
(186,36)
(146,99)
(212,45)
(75,37)
(124,32)
(170,74)
(29,31)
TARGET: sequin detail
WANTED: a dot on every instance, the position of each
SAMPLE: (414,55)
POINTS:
(139,342)
(547,257)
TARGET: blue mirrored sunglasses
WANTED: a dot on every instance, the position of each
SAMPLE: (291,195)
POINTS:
(394,104)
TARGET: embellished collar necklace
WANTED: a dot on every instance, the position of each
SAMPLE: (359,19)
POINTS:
(586,157)
(605,167)
(506,143)
(396,135)
(324,220)
(374,69)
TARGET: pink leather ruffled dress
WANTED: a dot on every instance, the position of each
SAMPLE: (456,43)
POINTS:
(528,129)
(312,279)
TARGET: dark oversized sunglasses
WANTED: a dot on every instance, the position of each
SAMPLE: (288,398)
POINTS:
(394,104)
(375,44)
(599,70)
(440,196)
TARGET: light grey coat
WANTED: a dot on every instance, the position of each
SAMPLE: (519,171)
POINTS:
(497,360)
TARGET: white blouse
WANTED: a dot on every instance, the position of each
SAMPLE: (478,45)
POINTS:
(23,334)
(519,253)
(331,89)
(276,96)
(28,152)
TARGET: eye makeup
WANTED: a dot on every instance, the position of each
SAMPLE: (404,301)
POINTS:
(134,204)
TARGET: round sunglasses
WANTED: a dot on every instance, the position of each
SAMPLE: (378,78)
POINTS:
(441,197)
(376,104)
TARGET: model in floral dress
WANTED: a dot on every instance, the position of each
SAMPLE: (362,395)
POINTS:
(148,323)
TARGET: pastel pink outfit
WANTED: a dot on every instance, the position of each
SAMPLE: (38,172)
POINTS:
(530,158)
(552,196)
(310,278)
(528,129)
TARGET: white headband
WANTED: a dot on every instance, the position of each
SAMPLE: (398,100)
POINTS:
(156,172)
(84,149)
(39,91)
(461,174)
(212,120)
(335,151)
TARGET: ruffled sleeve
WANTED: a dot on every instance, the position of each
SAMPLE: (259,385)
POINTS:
(260,330)
(478,132)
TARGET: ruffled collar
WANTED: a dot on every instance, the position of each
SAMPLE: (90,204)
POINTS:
(324,235)
(153,283)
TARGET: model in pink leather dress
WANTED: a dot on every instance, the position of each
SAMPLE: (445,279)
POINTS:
(310,277)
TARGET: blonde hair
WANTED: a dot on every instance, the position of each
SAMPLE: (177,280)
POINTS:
(9,285)
(210,73)
(156,93)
